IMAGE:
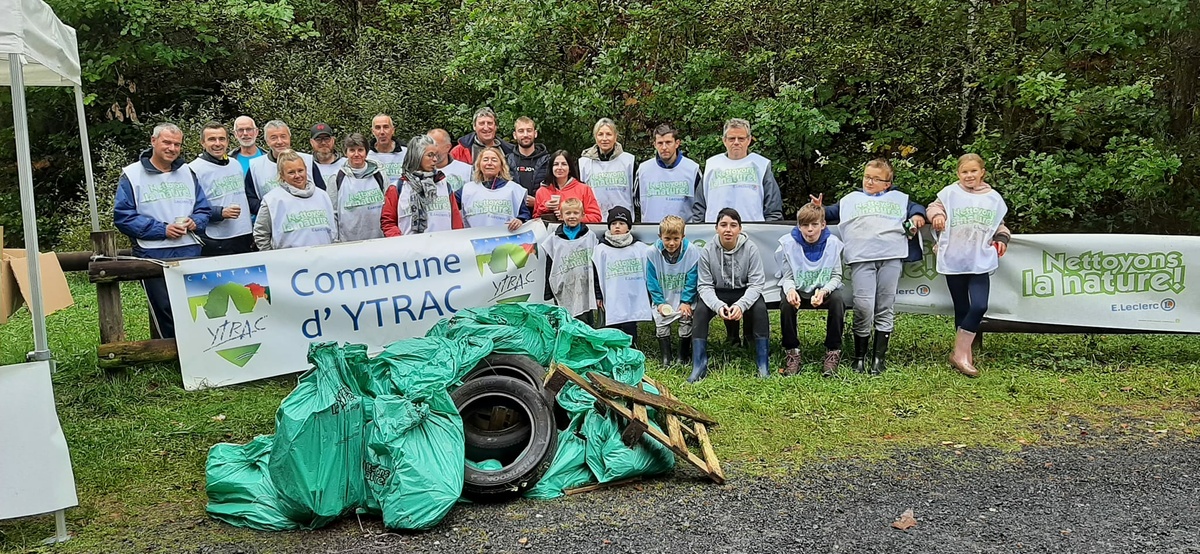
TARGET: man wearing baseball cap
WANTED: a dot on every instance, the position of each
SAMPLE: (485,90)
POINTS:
(326,159)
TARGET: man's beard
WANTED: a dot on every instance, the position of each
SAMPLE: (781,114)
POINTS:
(246,143)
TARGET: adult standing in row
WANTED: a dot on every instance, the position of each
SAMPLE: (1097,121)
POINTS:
(457,172)
(296,213)
(423,201)
(738,179)
(563,184)
(529,161)
(608,168)
(665,185)
(246,132)
(483,136)
(160,206)
(492,198)
(263,175)
(228,230)
(326,160)
(357,192)
(385,149)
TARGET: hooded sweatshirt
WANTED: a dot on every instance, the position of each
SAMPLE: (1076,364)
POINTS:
(468,146)
(740,268)
(314,199)
(820,268)
(660,256)
(136,223)
(529,171)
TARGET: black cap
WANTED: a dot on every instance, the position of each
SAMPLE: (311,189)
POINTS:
(321,129)
(620,213)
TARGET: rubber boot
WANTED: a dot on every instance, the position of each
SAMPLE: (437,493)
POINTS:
(962,357)
(857,363)
(685,350)
(881,347)
(762,356)
(699,360)
(664,347)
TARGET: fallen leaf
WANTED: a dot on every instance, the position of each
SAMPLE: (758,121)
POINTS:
(523,541)
(218,417)
(1126,389)
(960,446)
(947,443)
(1063,380)
(607,542)
(906,521)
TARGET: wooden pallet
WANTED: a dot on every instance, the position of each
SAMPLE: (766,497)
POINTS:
(630,403)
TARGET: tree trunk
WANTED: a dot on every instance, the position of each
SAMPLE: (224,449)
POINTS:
(1184,89)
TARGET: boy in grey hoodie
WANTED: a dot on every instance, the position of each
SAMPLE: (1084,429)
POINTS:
(731,281)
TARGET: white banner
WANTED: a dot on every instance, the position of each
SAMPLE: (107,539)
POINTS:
(35,466)
(250,316)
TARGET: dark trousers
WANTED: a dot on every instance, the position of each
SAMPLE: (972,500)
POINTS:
(160,307)
(629,328)
(585,317)
(835,321)
(756,317)
(225,247)
(970,295)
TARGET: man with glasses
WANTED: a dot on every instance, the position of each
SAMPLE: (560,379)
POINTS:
(247,136)
(738,179)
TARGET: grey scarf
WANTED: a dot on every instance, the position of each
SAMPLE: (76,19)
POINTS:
(424,192)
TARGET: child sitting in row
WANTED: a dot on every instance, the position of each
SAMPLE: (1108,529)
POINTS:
(810,259)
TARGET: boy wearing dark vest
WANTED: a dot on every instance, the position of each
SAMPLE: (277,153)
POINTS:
(811,261)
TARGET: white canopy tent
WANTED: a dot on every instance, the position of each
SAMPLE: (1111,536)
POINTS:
(36,477)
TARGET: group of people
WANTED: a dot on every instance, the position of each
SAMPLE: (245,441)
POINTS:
(276,197)
(671,281)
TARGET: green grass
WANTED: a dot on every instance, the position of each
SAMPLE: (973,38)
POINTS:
(139,441)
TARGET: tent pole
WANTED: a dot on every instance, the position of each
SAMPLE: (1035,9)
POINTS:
(41,346)
(87,158)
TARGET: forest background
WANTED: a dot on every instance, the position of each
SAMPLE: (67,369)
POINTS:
(1084,109)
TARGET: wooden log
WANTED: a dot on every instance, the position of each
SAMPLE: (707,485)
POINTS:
(108,295)
(78,261)
(621,390)
(114,271)
(121,354)
(674,429)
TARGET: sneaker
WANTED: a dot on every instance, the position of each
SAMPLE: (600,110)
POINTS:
(791,362)
(829,366)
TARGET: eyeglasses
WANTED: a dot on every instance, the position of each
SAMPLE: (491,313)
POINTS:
(879,181)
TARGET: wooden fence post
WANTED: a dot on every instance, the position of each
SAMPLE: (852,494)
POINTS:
(108,295)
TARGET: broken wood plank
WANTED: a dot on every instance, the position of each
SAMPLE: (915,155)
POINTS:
(598,486)
(637,426)
(670,405)
(673,427)
(710,456)
(654,432)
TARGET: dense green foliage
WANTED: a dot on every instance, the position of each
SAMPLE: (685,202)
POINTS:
(1084,110)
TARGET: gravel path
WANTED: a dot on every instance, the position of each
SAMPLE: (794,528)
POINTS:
(1121,498)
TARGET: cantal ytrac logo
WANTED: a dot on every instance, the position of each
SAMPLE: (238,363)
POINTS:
(213,293)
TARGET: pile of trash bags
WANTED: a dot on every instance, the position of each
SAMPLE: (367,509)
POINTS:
(385,435)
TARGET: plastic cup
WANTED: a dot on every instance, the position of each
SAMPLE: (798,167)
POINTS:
(181,220)
(667,310)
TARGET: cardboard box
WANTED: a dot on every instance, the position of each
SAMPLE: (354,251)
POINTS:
(14,277)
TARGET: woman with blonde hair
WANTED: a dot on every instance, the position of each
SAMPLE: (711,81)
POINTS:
(296,213)
(492,198)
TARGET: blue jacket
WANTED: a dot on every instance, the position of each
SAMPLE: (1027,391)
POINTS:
(137,226)
(689,285)
(833,214)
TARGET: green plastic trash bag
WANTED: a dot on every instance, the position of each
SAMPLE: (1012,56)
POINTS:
(569,469)
(609,458)
(624,365)
(422,368)
(239,491)
(316,462)
(414,461)
(525,329)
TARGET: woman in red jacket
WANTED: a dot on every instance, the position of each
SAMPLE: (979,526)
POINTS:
(562,182)
(422,200)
